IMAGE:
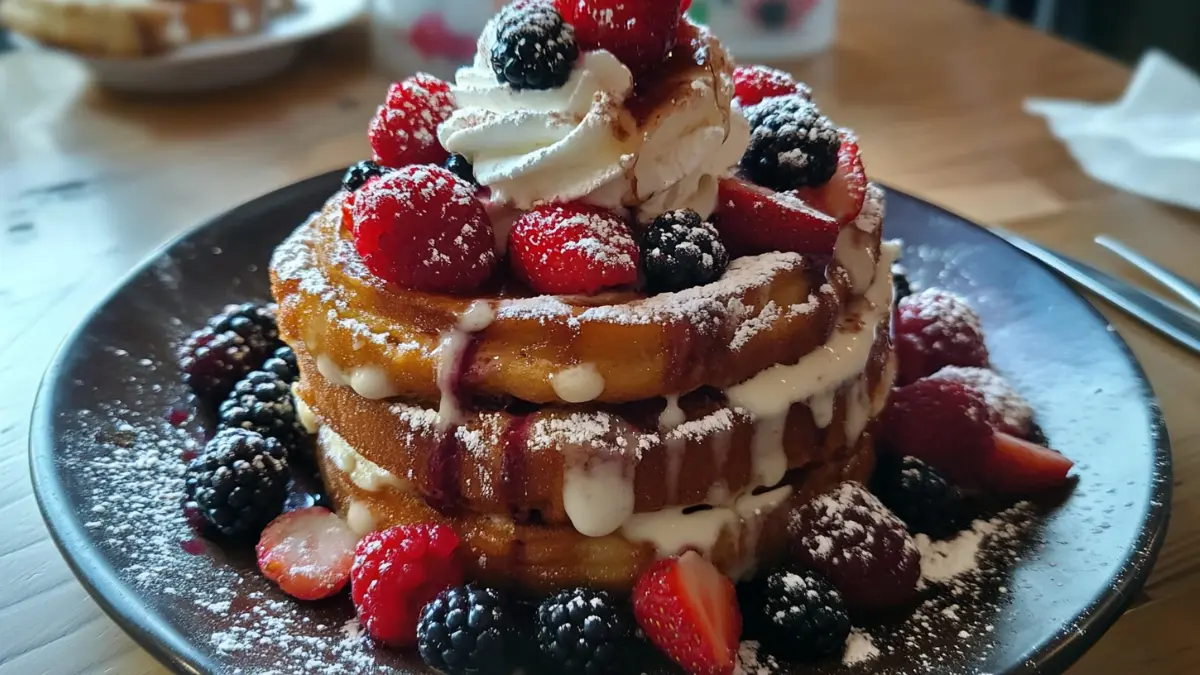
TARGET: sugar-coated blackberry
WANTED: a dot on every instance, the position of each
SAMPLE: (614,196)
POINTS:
(262,402)
(358,175)
(212,362)
(919,495)
(534,48)
(586,631)
(283,364)
(459,166)
(468,630)
(254,322)
(792,144)
(796,614)
(900,284)
(240,481)
(680,250)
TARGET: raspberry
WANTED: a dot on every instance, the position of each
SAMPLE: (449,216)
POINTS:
(534,49)
(752,84)
(943,423)
(918,495)
(1008,411)
(421,227)
(679,250)
(640,33)
(239,482)
(396,573)
(572,249)
(796,614)
(934,329)
(404,130)
(864,550)
(792,144)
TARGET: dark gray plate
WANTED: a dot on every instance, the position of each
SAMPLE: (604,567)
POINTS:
(106,447)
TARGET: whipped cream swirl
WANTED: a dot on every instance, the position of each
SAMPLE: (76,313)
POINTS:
(581,142)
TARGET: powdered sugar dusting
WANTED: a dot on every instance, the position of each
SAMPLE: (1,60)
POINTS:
(1009,410)
(859,649)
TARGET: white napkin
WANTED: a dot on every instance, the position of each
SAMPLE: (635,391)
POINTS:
(1148,142)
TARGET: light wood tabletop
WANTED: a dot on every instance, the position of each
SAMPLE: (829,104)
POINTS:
(91,182)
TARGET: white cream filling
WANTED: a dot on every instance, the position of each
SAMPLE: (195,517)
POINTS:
(362,472)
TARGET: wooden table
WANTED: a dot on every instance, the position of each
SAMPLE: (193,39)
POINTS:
(90,182)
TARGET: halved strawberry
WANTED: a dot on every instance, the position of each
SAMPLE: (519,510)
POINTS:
(754,219)
(844,195)
(307,552)
(1018,467)
(689,610)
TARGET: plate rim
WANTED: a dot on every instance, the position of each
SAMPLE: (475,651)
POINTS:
(130,612)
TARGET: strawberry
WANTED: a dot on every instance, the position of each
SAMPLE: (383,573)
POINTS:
(638,32)
(404,129)
(572,249)
(308,553)
(942,423)
(753,219)
(844,195)
(752,84)
(1019,467)
(934,329)
(421,227)
(689,610)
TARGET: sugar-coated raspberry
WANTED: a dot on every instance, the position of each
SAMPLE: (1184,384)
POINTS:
(573,249)
(1008,411)
(404,130)
(859,545)
(640,34)
(934,329)
(942,423)
(752,84)
(397,572)
(422,228)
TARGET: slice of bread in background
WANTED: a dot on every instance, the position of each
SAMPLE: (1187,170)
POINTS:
(136,28)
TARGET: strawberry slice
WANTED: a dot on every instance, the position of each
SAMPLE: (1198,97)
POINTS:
(1019,467)
(689,610)
(754,219)
(307,552)
(844,195)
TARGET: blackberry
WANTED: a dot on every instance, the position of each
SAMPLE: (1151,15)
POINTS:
(585,631)
(262,402)
(468,630)
(900,284)
(534,48)
(796,614)
(679,250)
(792,144)
(358,175)
(283,365)
(918,495)
(240,482)
(212,362)
(459,166)
(254,322)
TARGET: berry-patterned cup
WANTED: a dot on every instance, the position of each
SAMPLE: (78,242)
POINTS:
(434,36)
(769,30)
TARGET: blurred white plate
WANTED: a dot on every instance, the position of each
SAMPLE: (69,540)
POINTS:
(217,64)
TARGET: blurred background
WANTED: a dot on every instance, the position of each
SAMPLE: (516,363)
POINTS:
(1120,28)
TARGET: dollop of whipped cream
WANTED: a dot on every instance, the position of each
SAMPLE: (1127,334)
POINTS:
(582,142)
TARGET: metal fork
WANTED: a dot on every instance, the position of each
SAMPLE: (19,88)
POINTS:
(1178,324)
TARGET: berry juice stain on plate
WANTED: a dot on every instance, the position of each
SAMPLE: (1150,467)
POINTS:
(629,397)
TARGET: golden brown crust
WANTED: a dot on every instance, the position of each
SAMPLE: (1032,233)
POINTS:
(765,310)
(542,558)
(131,30)
(515,464)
